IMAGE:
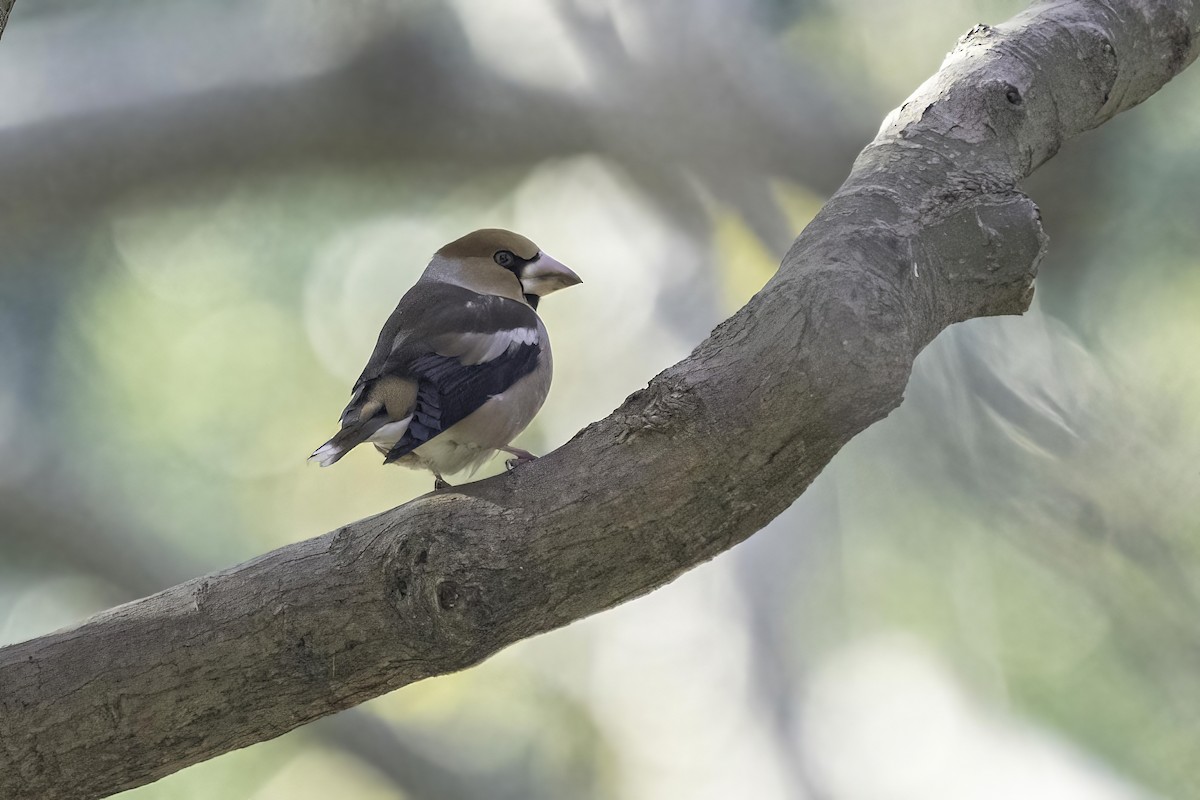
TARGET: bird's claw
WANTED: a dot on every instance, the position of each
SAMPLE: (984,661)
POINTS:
(440,483)
(517,461)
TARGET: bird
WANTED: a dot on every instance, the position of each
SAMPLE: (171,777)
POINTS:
(462,365)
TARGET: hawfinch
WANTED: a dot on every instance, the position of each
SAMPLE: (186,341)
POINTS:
(462,365)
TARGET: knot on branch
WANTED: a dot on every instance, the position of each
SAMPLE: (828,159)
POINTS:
(429,584)
(1099,65)
(447,595)
(1181,38)
(979,32)
(407,573)
(980,259)
(668,403)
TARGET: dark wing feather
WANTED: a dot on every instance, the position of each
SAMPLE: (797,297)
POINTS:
(436,310)
(417,365)
(449,391)
(428,312)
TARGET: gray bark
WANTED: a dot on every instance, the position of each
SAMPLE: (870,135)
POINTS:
(6,7)
(928,230)
(46,528)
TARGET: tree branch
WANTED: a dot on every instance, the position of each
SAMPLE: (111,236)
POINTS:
(394,750)
(6,7)
(928,230)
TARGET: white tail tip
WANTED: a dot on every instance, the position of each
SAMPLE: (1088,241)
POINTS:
(326,454)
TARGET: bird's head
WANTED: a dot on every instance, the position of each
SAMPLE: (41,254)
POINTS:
(500,262)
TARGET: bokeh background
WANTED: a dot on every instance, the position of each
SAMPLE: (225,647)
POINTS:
(207,209)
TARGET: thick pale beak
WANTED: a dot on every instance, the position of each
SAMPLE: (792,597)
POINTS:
(544,275)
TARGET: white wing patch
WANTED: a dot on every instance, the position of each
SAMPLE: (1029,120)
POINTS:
(479,348)
(391,432)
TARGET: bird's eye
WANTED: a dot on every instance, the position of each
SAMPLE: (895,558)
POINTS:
(505,259)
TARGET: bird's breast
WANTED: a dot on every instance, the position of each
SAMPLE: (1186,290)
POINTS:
(500,419)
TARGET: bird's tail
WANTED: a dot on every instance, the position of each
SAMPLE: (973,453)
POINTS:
(346,439)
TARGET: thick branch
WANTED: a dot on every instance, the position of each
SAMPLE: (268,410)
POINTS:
(928,230)
(393,750)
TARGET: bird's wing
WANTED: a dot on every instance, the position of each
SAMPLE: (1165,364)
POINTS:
(449,390)
(444,351)
(487,350)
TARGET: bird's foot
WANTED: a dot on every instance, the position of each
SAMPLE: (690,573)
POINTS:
(520,457)
(440,483)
